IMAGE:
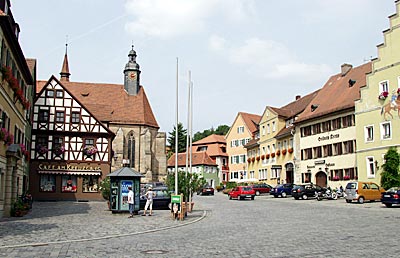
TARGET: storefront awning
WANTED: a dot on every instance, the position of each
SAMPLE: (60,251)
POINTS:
(66,172)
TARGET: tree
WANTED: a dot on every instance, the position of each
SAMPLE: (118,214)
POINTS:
(190,183)
(390,176)
(221,130)
(181,139)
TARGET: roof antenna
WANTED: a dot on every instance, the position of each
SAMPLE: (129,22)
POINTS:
(66,44)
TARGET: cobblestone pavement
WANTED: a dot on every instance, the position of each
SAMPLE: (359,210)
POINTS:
(218,227)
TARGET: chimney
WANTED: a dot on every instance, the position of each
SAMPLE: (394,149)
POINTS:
(346,68)
(298,97)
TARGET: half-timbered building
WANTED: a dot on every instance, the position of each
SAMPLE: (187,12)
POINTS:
(71,148)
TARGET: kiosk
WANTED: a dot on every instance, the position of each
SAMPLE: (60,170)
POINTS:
(120,180)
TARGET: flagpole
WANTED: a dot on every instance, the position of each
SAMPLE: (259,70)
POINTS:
(176,132)
(187,143)
(191,133)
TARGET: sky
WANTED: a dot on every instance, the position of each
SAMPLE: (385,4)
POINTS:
(243,55)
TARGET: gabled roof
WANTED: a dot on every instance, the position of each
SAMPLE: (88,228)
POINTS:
(251,121)
(111,103)
(252,143)
(337,94)
(296,107)
(198,158)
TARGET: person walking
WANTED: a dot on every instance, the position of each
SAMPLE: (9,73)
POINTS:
(131,201)
(149,203)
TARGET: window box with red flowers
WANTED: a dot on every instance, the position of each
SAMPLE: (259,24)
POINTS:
(335,178)
(59,150)
(290,150)
(262,157)
(253,159)
(41,149)
(284,152)
(14,85)
(258,158)
(273,155)
(249,160)
(383,95)
(89,150)
(278,152)
(267,156)
(346,178)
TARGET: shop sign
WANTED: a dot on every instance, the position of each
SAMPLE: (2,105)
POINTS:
(55,167)
(328,137)
(319,162)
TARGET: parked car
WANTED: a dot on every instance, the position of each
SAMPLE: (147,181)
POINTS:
(306,191)
(242,192)
(391,196)
(206,190)
(161,199)
(261,188)
(282,190)
(363,191)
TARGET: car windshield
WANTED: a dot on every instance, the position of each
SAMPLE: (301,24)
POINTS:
(278,186)
(296,187)
(351,186)
(247,188)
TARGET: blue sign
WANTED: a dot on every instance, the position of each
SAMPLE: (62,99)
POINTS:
(124,193)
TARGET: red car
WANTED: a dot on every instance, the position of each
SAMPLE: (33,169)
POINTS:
(242,192)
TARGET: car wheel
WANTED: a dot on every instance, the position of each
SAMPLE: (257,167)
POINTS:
(334,196)
(252,197)
(361,200)
(283,195)
(389,205)
(257,193)
(348,201)
(319,198)
(230,197)
(276,196)
(296,198)
(304,197)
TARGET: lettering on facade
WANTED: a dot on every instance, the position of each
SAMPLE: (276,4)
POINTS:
(68,167)
(330,164)
(310,166)
(319,162)
(328,137)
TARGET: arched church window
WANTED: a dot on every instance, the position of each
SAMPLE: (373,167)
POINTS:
(131,151)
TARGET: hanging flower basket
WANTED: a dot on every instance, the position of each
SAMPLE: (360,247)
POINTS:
(262,157)
(267,156)
(278,152)
(41,149)
(253,159)
(290,150)
(59,150)
(249,160)
(258,158)
(273,155)
(284,152)
(383,95)
(89,150)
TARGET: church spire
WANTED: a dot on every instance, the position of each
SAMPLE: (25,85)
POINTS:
(132,74)
(65,68)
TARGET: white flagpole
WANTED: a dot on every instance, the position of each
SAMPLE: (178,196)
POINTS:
(187,139)
(176,132)
(191,132)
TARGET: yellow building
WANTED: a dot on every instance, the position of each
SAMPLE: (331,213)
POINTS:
(243,129)
(274,157)
(377,112)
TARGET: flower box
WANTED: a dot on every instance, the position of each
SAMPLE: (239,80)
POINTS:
(249,160)
(273,155)
(253,159)
(258,158)
(267,156)
(383,95)
(346,178)
(335,178)
(284,152)
(41,149)
(59,150)
(89,150)
(278,152)
(262,157)
(290,150)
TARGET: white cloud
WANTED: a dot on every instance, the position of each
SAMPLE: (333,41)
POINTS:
(268,59)
(170,18)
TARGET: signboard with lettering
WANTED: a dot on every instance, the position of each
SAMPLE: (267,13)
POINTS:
(124,184)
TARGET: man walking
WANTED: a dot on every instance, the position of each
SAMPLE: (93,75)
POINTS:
(149,203)
(131,201)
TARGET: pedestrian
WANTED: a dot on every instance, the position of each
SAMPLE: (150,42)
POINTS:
(131,201)
(149,203)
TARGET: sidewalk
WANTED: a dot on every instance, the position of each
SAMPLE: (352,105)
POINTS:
(63,222)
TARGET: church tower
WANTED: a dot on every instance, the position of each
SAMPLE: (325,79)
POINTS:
(65,68)
(132,74)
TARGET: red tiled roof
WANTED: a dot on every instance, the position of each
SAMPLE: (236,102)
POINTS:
(213,138)
(213,149)
(198,158)
(111,103)
(296,107)
(336,94)
(251,121)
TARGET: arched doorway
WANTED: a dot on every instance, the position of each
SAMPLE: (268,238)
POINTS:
(321,179)
(289,173)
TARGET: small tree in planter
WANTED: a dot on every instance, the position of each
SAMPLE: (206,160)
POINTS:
(105,189)
(390,176)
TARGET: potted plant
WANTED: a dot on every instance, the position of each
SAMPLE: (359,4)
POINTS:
(346,177)
(59,150)
(335,178)
(284,152)
(253,159)
(105,189)
(273,155)
(258,158)
(249,160)
(267,156)
(278,152)
(89,150)
(41,149)
(383,95)
(290,150)
(263,157)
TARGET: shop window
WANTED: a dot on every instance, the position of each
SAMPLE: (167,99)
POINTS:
(68,184)
(47,183)
(90,184)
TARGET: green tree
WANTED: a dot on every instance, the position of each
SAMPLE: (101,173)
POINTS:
(390,176)
(190,183)
(181,139)
(221,130)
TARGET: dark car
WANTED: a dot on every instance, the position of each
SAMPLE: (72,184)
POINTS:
(391,196)
(282,190)
(242,192)
(206,190)
(261,188)
(161,199)
(306,191)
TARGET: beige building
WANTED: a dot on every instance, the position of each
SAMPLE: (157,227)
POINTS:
(326,132)
(16,95)
(243,129)
(377,112)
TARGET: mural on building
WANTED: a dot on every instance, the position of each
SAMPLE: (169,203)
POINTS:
(392,105)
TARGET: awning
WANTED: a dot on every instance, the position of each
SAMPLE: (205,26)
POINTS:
(66,172)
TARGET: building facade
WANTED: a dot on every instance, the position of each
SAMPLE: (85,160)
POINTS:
(16,95)
(377,112)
